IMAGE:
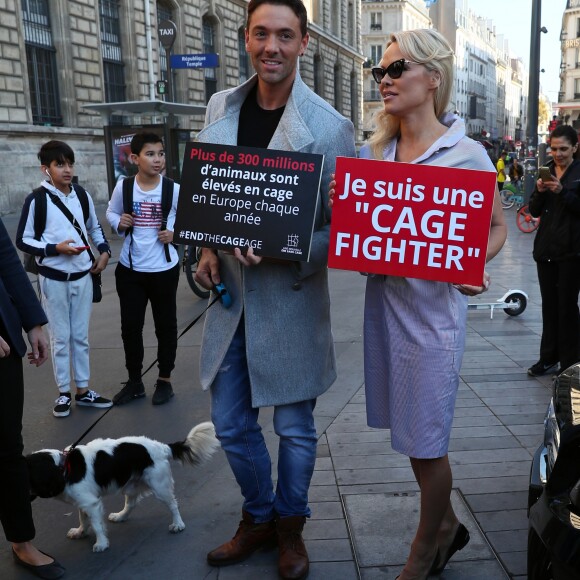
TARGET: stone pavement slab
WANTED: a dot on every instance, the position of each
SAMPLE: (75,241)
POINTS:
(362,491)
(383,526)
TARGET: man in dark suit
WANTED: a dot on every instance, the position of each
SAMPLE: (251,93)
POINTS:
(19,309)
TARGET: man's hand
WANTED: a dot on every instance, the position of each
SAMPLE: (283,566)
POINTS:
(125,222)
(66,249)
(208,268)
(165,236)
(250,259)
(39,345)
(100,263)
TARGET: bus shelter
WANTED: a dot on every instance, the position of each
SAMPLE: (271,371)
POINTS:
(157,116)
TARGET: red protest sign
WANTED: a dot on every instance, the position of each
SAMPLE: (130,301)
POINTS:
(417,221)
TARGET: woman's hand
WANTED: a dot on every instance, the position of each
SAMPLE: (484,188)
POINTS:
(4,348)
(469,290)
(331,191)
(555,185)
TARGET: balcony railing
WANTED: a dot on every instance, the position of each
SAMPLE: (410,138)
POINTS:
(576,96)
(372,95)
(376,26)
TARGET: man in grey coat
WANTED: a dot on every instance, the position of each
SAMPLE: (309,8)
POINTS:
(274,346)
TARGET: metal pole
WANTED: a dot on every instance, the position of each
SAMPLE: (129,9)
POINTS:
(169,94)
(534,84)
(151,73)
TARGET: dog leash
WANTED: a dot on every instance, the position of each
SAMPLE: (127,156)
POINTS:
(66,452)
(216,299)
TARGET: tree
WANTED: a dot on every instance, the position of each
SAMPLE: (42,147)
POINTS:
(543,111)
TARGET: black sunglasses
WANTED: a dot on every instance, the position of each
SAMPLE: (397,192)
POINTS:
(394,70)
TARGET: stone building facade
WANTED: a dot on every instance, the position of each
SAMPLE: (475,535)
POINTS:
(569,95)
(379,19)
(59,58)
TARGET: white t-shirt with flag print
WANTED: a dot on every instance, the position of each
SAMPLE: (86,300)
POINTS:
(147,252)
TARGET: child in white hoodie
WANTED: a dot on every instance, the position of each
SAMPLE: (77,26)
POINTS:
(64,265)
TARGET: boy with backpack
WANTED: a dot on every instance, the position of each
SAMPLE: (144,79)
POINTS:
(55,222)
(142,208)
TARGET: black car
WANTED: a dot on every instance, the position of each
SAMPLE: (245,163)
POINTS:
(554,492)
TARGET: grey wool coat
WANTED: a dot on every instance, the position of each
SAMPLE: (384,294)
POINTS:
(286,307)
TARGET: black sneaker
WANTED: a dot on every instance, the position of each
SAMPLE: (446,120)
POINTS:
(62,407)
(541,368)
(92,399)
(132,390)
(163,392)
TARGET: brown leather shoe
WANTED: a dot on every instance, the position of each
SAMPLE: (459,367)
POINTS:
(293,561)
(249,538)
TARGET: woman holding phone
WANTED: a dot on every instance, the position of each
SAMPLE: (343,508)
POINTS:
(556,200)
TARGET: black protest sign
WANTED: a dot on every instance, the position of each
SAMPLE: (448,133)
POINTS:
(241,197)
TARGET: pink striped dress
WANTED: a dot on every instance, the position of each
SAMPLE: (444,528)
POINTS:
(414,333)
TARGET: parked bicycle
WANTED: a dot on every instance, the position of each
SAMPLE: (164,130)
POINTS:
(512,194)
(189,264)
(525,221)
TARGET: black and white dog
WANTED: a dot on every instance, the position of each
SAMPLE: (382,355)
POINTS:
(138,466)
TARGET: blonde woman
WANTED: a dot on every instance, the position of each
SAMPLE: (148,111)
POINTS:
(414,329)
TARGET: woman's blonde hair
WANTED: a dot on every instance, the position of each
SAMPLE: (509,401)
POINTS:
(429,48)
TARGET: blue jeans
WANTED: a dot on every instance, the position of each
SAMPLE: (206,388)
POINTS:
(237,428)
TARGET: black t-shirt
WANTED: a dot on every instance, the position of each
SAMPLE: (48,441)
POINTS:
(257,125)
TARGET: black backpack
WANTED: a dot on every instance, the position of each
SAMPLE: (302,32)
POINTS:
(39,194)
(166,201)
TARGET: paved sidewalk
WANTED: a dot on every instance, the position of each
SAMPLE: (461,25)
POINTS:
(364,499)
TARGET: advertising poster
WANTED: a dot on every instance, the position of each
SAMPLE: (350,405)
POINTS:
(417,221)
(122,163)
(247,197)
(120,147)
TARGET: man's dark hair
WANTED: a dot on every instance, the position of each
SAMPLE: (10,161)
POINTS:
(56,151)
(566,131)
(141,139)
(295,5)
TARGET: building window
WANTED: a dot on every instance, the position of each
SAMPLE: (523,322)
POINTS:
(164,12)
(354,99)
(113,68)
(351,23)
(576,88)
(243,56)
(376,54)
(376,20)
(337,87)
(318,75)
(334,17)
(209,74)
(41,63)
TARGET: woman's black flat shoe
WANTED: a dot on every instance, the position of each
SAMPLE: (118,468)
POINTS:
(460,540)
(48,571)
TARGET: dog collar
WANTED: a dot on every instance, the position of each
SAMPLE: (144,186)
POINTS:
(64,464)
